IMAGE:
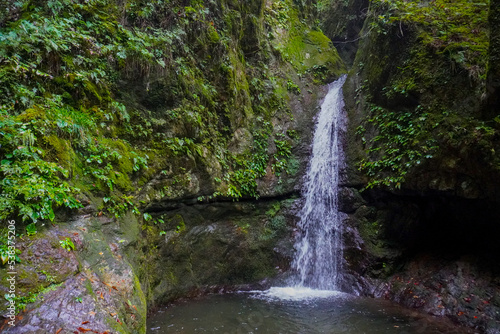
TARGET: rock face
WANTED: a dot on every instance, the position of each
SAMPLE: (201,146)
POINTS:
(101,292)
(214,247)
(421,184)
(342,22)
(121,267)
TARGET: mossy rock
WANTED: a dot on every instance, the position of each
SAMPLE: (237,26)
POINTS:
(314,52)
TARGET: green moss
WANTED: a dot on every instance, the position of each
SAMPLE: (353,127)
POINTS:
(413,92)
(29,275)
(275,208)
(138,295)
(125,163)
(177,223)
(30,114)
(59,150)
(456,29)
(115,325)
(293,166)
(305,49)
(213,36)
(275,228)
(313,50)
(88,287)
(172,279)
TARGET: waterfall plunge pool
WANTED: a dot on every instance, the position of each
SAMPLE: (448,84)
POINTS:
(293,311)
(318,263)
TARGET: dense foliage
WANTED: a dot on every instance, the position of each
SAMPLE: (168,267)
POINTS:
(413,115)
(58,60)
(99,98)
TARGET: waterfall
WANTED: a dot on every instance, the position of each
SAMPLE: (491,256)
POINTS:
(318,259)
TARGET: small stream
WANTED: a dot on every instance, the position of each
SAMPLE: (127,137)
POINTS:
(293,311)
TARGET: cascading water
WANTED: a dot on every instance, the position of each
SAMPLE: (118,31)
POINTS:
(318,259)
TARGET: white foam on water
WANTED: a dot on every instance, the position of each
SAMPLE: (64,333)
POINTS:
(296,293)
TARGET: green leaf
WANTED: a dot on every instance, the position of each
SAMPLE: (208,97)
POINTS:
(4,257)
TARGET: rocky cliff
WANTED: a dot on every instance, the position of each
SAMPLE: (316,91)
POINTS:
(421,186)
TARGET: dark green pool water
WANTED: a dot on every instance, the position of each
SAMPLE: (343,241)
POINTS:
(282,311)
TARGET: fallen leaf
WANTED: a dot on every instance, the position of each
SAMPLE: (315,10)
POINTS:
(58,331)
(112,314)
(83,330)
(134,307)
(114,287)
(85,322)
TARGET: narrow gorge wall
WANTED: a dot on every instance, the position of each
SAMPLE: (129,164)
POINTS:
(421,186)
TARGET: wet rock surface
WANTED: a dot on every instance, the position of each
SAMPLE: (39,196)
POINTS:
(437,254)
(465,290)
(121,267)
(71,308)
(95,288)
(218,244)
